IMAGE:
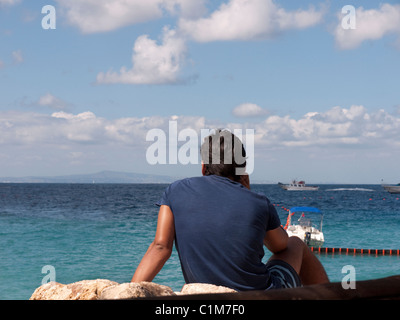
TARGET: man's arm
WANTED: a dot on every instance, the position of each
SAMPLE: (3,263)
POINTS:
(160,249)
(276,240)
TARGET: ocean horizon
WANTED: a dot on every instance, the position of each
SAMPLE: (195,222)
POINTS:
(116,177)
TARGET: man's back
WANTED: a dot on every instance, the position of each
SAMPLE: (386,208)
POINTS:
(220,226)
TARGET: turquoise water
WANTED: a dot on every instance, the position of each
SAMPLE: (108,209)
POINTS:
(91,231)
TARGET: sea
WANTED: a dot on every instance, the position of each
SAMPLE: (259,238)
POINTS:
(73,232)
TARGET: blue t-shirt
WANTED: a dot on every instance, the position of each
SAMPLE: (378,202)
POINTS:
(219,230)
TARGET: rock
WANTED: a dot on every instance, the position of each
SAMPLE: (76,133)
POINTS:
(82,290)
(200,288)
(102,289)
(136,290)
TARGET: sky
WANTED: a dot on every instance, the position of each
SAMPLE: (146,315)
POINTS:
(84,83)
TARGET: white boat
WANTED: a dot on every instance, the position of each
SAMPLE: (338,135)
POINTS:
(308,227)
(297,186)
(392,189)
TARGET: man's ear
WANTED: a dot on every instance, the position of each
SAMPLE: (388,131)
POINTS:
(203,169)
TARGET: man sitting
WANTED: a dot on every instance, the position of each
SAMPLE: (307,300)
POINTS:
(220,227)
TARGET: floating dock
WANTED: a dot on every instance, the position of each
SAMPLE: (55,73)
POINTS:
(378,252)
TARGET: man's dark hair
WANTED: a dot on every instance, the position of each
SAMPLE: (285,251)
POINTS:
(223,154)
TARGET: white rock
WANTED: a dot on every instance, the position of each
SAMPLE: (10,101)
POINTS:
(136,290)
(82,290)
(199,288)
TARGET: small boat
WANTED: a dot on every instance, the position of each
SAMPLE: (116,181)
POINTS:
(297,186)
(307,227)
(392,189)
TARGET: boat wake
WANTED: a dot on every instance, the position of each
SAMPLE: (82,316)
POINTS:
(350,189)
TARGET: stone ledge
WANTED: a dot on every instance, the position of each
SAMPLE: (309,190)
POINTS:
(101,289)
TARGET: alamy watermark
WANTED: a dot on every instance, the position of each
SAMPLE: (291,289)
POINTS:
(50,274)
(349,20)
(349,280)
(165,148)
(49,20)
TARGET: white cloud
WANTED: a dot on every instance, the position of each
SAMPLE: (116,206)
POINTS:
(248,20)
(338,126)
(245,110)
(371,24)
(63,129)
(333,138)
(161,63)
(48,100)
(87,115)
(92,16)
(238,19)
(152,63)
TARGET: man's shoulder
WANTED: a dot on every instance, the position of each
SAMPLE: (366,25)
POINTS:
(185,182)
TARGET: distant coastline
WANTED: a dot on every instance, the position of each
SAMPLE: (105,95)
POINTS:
(98,177)
(108,176)
(105,176)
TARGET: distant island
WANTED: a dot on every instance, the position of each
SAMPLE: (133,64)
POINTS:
(105,176)
(99,177)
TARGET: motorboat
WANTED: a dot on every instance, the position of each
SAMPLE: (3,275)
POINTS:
(392,189)
(297,186)
(308,225)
